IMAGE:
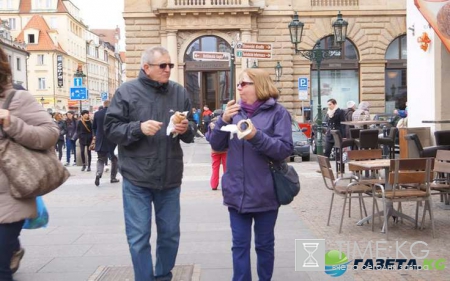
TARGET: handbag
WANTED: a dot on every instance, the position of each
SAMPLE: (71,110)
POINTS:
(285,181)
(30,172)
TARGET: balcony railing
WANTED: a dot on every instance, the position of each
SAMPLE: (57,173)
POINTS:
(331,3)
(207,3)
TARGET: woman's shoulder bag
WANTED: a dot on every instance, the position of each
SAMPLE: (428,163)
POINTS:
(30,172)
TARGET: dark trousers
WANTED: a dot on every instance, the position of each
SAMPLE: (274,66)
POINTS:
(241,228)
(59,148)
(9,243)
(83,148)
(103,160)
(328,147)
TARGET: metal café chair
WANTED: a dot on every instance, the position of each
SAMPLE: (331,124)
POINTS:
(339,145)
(347,191)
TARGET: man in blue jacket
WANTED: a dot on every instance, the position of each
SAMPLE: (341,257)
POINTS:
(151,161)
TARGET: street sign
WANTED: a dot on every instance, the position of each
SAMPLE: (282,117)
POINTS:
(254,46)
(79,93)
(253,54)
(303,88)
(78,81)
(104,96)
(214,56)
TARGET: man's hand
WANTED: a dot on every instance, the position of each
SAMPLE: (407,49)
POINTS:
(181,127)
(4,118)
(150,127)
(231,109)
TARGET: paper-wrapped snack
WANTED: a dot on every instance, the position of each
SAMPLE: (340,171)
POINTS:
(176,118)
(243,128)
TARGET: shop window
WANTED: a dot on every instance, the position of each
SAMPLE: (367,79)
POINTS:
(339,75)
(396,74)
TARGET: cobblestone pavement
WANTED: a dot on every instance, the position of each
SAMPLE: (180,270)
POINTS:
(312,207)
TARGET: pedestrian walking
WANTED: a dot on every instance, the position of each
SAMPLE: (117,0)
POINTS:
(62,132)
(71,138)
(217,158)
(103,146)
(247,185)
(29,124)
(151,160)
(334,117)
(85,135)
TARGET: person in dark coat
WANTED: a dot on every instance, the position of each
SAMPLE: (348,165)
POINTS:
(84,131)
(62,132)
(71,138)
(334,117)
(247,185)
(103,146)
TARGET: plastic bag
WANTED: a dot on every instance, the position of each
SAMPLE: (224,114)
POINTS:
(42,218)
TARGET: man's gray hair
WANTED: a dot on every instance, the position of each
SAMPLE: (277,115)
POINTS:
(148,55)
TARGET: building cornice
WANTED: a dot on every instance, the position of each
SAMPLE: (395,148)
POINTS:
(207,11)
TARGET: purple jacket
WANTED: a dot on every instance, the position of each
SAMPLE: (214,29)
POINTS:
(247,185)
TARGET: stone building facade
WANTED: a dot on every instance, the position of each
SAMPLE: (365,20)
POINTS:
(370,67)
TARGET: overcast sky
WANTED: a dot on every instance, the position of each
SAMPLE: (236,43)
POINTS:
(103,14)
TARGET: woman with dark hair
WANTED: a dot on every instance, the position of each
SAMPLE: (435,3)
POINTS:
(71,137)
(247,184)
(29,124)
(334,117)
(85,135)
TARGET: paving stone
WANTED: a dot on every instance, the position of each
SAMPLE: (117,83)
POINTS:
(125,273)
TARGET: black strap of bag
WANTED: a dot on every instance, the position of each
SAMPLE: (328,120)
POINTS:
(6,106)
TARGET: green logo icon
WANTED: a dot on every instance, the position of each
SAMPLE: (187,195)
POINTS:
(335,263)
(239,54)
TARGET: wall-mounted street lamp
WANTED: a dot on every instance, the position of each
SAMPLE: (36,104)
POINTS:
(254,64)
(317,55)
(278,72)
(42,101)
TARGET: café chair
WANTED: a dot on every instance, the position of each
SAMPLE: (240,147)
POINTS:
(415,171)
(389,141)
(442,137)
(415,149)
(368,139)
(339,145)
(347,191)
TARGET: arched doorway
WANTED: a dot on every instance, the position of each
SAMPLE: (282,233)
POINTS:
(395,78)
(339,75)
(208,82)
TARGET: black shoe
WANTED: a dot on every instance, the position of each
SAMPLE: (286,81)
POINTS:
(84,168)
(88,169)
(114,180)
(15,260)
(97,180)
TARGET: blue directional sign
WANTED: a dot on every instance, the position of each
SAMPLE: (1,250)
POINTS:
(78,93)
(78,81)
(104,96)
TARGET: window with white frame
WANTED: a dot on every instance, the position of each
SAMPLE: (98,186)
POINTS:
(53,23)
(41,82)
(40,59)
(12,23)
(9,4)
(18,64)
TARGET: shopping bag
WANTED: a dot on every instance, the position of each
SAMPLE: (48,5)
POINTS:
(42,218)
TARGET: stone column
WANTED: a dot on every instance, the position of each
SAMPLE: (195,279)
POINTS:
(372,84)
(172,46)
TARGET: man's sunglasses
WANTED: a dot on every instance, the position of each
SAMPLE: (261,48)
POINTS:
(243,84)
(163,65)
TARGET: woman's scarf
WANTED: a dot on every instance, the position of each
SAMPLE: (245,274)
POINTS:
(251,108)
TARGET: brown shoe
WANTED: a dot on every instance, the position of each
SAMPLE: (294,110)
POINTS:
(15,260)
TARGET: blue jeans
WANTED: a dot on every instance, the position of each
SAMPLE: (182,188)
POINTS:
(137,203)
(241,228)
(70,145)
(9,243)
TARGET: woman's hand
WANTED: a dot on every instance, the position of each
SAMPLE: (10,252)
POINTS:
(231,109)
(4,118)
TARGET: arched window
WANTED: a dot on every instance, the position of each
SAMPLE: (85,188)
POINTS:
(339,75)
(395,78)
(207,81)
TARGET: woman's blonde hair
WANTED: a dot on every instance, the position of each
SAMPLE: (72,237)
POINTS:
(58,116)
(264,86)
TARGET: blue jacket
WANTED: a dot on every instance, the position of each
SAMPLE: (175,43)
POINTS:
(247,185)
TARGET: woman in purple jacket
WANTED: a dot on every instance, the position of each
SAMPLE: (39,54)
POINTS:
(247,185)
